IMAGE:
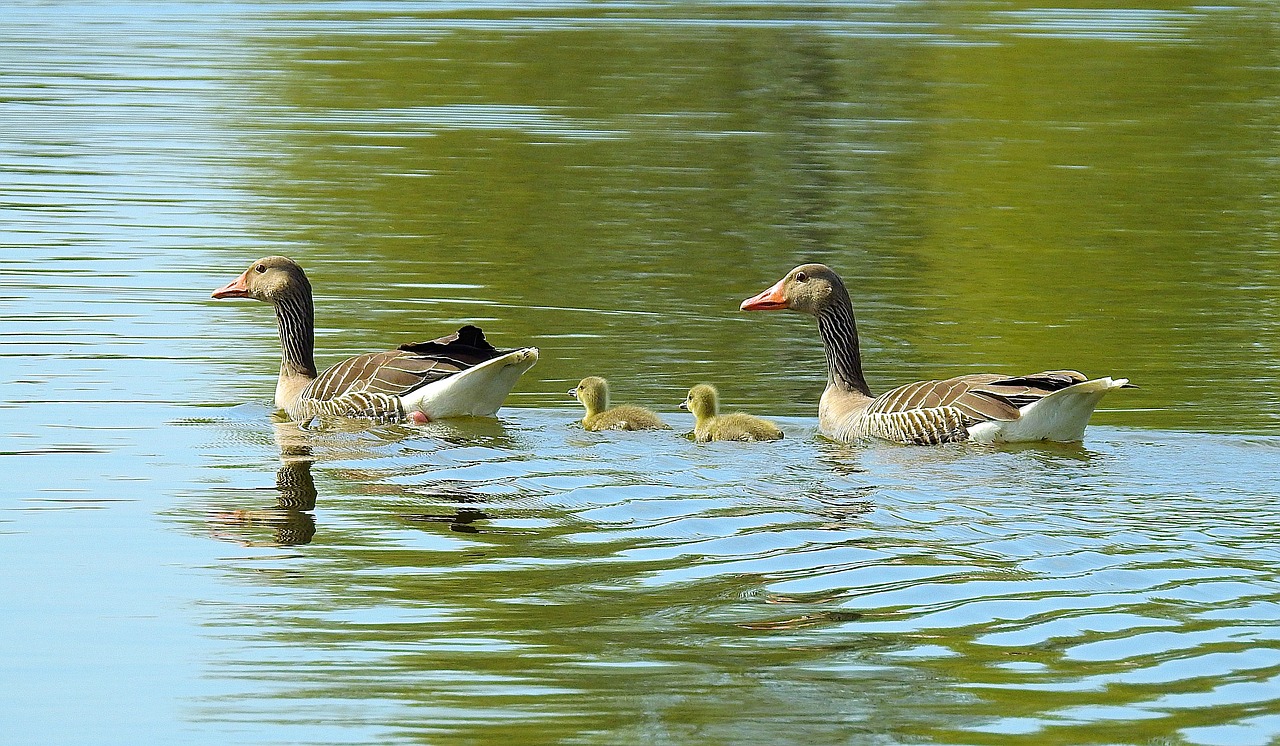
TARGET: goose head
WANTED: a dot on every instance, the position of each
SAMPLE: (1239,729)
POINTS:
(593,392)
(269,280)
(809,288)
(703,401)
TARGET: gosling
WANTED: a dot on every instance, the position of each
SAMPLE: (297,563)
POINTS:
(593,392)
(704,402)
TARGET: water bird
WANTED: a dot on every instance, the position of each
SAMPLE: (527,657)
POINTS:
(593,392)
(454,376)
(704,402)
(982,407)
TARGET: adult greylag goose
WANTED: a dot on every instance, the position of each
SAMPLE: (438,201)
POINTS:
(593,392)
(704,402)
(455,376)
(983,407)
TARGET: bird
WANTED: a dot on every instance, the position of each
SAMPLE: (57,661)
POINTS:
(454,376)
(593,392)
(704,402)
(1052,405)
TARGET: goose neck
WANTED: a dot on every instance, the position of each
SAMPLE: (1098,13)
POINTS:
(840,342)
(295,319)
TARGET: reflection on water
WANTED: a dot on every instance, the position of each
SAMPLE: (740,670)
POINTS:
(615,581)
(1006,188)
(290,519)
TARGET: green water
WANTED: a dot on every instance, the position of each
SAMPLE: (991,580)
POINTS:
(1005,187)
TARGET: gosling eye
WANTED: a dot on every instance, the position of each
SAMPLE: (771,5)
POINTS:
(802,277)
(260,268)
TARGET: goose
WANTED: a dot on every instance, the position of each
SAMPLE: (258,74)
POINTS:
(704,402)
(593,392)
(454,376)
(982,407)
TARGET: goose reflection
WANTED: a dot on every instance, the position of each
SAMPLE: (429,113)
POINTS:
(290,519)
(294,522)
(459,431)
(461,520)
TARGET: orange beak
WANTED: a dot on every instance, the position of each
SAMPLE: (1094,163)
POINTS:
(773,299)
(237,288)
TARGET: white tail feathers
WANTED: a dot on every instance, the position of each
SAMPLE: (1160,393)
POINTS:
(1060,416)
(476,392)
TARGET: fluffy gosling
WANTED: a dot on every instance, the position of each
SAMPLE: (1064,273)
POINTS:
(704,402)
(593,392)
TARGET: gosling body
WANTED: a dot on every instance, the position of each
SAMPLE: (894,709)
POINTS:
(704,402)
(593,392)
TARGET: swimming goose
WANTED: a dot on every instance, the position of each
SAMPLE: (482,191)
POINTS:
(704,402)
(983,407)
(593,392)
(454,376)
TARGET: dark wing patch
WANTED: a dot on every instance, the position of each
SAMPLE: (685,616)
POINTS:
(1022,390)
(1049,380)
(467,347)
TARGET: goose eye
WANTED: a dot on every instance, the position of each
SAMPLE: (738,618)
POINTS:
(260,268)
(802,277)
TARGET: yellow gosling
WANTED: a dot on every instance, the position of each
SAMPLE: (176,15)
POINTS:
(704,402)
(593,392)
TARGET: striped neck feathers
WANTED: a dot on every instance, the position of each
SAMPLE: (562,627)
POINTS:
(295,319)
(840,342)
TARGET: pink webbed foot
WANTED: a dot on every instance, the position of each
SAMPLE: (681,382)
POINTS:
(419,418)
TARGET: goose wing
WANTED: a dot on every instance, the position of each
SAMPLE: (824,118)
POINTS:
(979,397)
(972,397)
(400,371)
(1023,390)
(929,412)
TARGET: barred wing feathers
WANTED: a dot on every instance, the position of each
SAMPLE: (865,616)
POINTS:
(928,412)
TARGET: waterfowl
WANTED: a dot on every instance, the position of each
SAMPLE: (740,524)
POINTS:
(593,392)
(704,402)
(983,407)
(453,376)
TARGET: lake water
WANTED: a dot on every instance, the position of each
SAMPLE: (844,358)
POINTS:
(1005,187)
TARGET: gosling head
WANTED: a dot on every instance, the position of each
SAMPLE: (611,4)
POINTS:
(809,288)
(270,279)
(703,400)
(593,392)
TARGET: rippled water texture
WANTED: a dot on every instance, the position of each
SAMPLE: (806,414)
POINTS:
(1005,187)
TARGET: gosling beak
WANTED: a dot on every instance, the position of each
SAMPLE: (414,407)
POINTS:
(684,404)
(573,393)
(773,299)
(237,288)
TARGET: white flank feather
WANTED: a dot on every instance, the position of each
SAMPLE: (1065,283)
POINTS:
(1060,416)
(475,392)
